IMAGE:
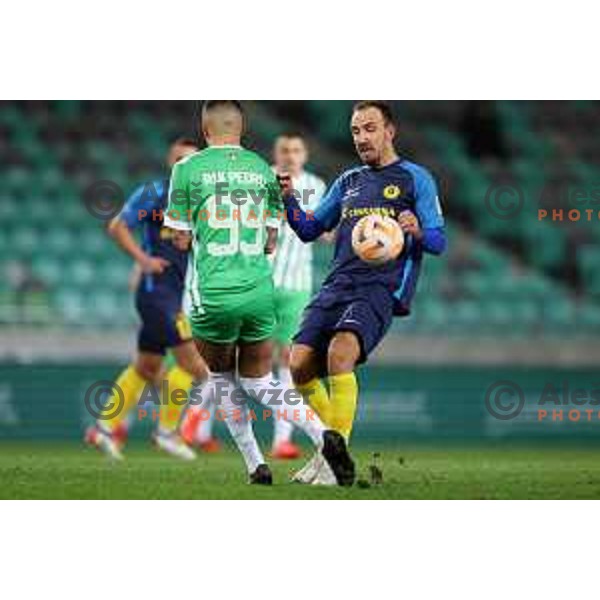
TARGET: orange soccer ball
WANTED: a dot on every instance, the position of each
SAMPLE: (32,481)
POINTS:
(377,239)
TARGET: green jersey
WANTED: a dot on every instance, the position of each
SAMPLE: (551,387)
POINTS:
(226,196)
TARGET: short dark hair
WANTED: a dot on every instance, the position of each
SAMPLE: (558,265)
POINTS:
(383,107)
(293,135)
(236,104)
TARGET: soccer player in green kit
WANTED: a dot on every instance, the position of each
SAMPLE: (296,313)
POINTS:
(229,199)
(292,271)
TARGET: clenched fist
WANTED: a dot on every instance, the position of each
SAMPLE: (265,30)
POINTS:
(285,182)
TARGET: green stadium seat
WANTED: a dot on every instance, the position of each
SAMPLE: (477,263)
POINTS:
(477,284)
(74,215)
(497,315)
(16,180)
(92,242)
(71,306)
(529,173)
(114,270)
(537,286)
(430,314)
(589,267)
(490,258)
(108,309)
(559,314)
(331,118)
(493,227)
(50,271)
(546,246)
(9,209)
(38,211)
(588,316)
(11,116)
(9,312)
(51,181)
(465,315)
(59,242)
(105,156)
(36,309)
(527,314)
(68,109)
(24,242)
(80,273)
(35,153)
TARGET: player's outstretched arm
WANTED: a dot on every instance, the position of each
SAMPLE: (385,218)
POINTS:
(307,225)
(304,224)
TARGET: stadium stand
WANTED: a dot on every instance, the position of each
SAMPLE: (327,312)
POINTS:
(509,278)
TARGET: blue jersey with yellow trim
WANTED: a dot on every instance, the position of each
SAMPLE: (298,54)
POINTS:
(390,190)
(145,209)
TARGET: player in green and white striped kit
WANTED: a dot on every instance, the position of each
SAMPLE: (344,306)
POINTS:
(229,200)
(292,271)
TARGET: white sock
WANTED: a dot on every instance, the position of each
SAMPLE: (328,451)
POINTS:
(282,428)
(237,420)
(298,414)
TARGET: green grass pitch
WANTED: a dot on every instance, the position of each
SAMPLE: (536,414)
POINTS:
(72,472)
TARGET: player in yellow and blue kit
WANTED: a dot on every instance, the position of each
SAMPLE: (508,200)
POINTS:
(354,309)
(162,258)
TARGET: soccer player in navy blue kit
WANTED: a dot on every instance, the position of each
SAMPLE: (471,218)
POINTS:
(162,257)
(354,309)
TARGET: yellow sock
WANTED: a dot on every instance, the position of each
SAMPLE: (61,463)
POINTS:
(315,393)
(343,392)
(170,412)
(131,384)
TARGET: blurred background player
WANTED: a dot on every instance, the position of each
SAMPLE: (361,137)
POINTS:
(162,259)
(196,432)
(354,309)
(232,286)
(292,272)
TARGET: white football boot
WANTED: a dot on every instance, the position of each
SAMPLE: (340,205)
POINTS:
(325,475)
(171,443)
(310,470)
(103,440)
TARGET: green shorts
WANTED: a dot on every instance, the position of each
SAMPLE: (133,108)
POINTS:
(226,318)
(289,306)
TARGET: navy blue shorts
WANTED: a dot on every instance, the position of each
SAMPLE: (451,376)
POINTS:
(367,311)
(164,325)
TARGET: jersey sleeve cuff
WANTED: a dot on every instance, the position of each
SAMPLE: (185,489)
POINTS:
(179,225)
(273,223)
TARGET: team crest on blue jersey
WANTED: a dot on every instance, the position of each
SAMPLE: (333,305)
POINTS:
(391,192)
